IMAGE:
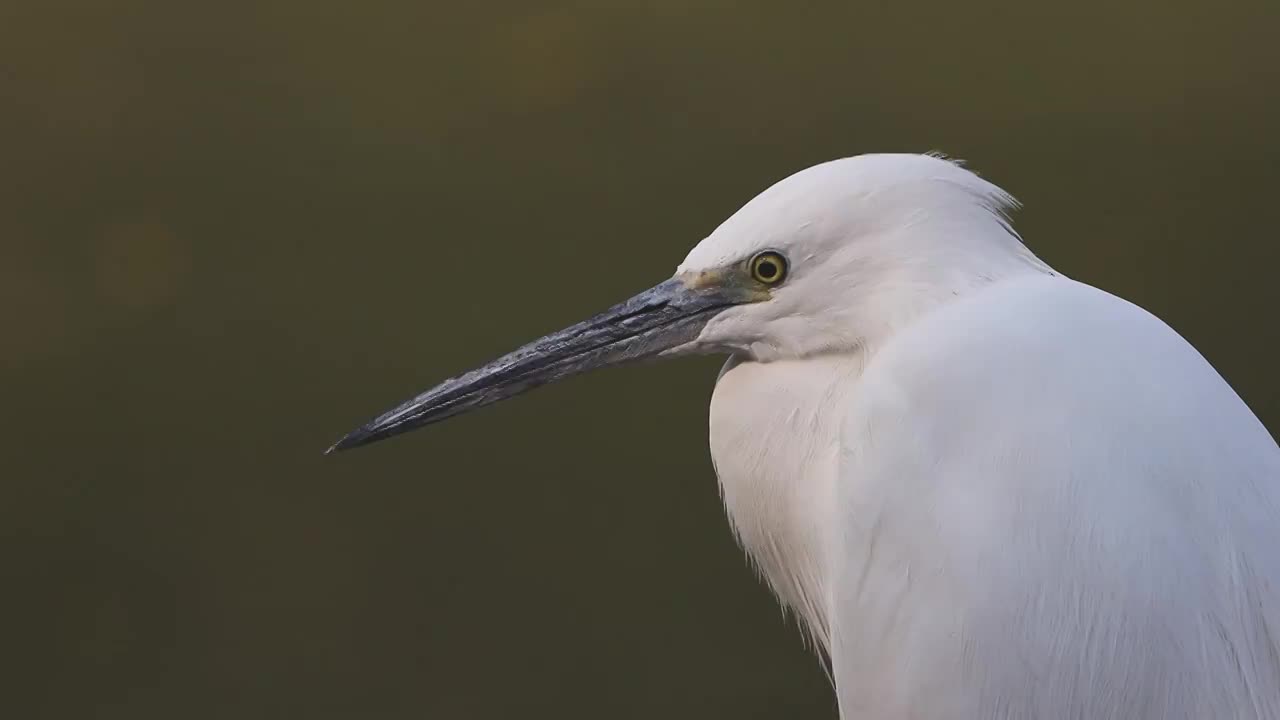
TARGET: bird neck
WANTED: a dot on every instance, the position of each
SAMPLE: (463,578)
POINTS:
(776,423)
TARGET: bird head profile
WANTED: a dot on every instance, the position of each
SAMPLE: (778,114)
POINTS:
(831,259)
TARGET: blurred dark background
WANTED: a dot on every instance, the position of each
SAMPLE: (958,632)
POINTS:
(230,232)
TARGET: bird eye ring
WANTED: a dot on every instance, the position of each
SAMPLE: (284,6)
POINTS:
(768,267)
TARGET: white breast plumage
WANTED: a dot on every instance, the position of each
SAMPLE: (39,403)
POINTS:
(774,491)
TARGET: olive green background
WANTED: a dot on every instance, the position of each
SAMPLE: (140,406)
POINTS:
(230,232)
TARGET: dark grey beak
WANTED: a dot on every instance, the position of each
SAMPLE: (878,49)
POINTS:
(661,320)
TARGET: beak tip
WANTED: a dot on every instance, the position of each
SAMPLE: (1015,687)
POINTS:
(353,439)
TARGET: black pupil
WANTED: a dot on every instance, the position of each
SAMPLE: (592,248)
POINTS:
(767,269)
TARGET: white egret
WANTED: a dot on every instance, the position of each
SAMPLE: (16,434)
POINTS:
(988,490)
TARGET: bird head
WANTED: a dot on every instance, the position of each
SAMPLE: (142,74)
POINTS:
(830,259)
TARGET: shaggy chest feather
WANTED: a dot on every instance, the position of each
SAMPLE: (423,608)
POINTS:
(775,445)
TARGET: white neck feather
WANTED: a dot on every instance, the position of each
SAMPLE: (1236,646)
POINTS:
(777,493)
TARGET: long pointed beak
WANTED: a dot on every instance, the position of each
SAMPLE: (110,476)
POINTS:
(662,320)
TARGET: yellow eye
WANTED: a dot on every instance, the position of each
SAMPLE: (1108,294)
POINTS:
(768,267)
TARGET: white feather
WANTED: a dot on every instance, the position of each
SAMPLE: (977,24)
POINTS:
(988,491)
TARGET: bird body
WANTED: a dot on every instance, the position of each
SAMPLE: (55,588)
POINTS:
(987,490)
(1115,553)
